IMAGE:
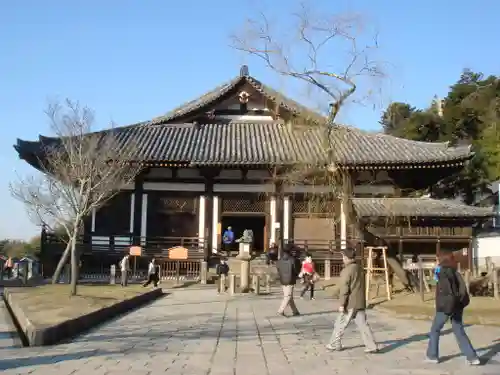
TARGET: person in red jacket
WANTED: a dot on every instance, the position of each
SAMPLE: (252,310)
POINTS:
(308,274)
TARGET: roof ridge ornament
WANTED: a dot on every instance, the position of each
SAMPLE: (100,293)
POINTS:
(244,71)
(243,97)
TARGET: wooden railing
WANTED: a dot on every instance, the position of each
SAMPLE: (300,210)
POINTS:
(119,244)
(425,231)
(169,270)
(328,248)
(98,253)
(326,255)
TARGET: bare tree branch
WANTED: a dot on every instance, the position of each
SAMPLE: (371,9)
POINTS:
(81,171)
(329,54)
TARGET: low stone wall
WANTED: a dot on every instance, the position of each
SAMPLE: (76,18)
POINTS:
(32,335)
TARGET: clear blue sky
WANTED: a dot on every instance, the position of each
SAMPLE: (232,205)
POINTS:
(132,60)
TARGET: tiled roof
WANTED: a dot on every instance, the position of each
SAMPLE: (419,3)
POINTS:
(271,143)
(220,92)
(411,207)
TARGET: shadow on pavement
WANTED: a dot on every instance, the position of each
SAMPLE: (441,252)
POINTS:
(51,359)
(391,345)
(485,353)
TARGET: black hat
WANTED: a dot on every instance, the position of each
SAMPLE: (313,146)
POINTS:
(349,253)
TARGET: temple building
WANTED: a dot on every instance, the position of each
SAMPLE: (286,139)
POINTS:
(211,163)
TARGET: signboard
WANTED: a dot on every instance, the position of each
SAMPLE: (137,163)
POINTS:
(135,251)
(178,253)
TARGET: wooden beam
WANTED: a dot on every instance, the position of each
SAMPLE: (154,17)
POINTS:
(138,191)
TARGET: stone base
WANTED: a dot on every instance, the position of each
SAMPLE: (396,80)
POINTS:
(33,335)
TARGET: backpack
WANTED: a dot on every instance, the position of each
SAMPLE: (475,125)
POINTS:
(452,293)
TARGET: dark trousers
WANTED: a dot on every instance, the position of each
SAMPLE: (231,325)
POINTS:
(457,326)
(152,278)
(308,285)
(227,247)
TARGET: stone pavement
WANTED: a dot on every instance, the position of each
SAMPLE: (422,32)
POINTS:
(194,331)
(8,334)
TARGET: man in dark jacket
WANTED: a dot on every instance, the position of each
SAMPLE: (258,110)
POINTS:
(352,296)
(222,270)
(451,299)
(288,272)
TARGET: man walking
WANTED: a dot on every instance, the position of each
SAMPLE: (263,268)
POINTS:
(152,274)
(352,297)
(288,272)
(222,271)
(124,268)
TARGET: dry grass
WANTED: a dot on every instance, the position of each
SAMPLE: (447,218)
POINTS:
(482,310)
(49,305)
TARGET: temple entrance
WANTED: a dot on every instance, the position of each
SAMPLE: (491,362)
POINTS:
(240,222)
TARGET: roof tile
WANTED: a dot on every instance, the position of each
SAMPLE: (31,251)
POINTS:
(411,207)
(271,143)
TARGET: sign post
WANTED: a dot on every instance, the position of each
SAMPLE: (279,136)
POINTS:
(178,253)
(135,251)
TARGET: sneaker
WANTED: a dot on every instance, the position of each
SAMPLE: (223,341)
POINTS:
(312,299)
(474,362)
(372,351)
(296,314)
(431,360)
(333,348)
(282,314)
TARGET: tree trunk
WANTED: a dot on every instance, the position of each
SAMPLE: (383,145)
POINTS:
(62,263)
(74,266)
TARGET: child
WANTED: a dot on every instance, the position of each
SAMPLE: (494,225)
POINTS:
(308,274)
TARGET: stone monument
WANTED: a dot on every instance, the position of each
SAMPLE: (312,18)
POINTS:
(245,247)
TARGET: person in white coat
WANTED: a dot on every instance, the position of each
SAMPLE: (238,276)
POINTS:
(124,268)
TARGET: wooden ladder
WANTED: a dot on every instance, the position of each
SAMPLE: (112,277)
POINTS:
(370,270)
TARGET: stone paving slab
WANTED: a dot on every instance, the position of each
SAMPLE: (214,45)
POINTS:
(195,332)
(8,333)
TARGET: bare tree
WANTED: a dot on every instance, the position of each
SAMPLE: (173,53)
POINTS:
(332,55)
(81,170)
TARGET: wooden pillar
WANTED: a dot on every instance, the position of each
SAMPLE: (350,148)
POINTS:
(92,220)
(209,198)
(469,255)
(215,223)
(273,218)
(201,221)
(343,224)
(136,219)
(281,217)
(287,218)
(132,216)
(144,219)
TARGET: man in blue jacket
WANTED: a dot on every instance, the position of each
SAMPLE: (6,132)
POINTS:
(228,239)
